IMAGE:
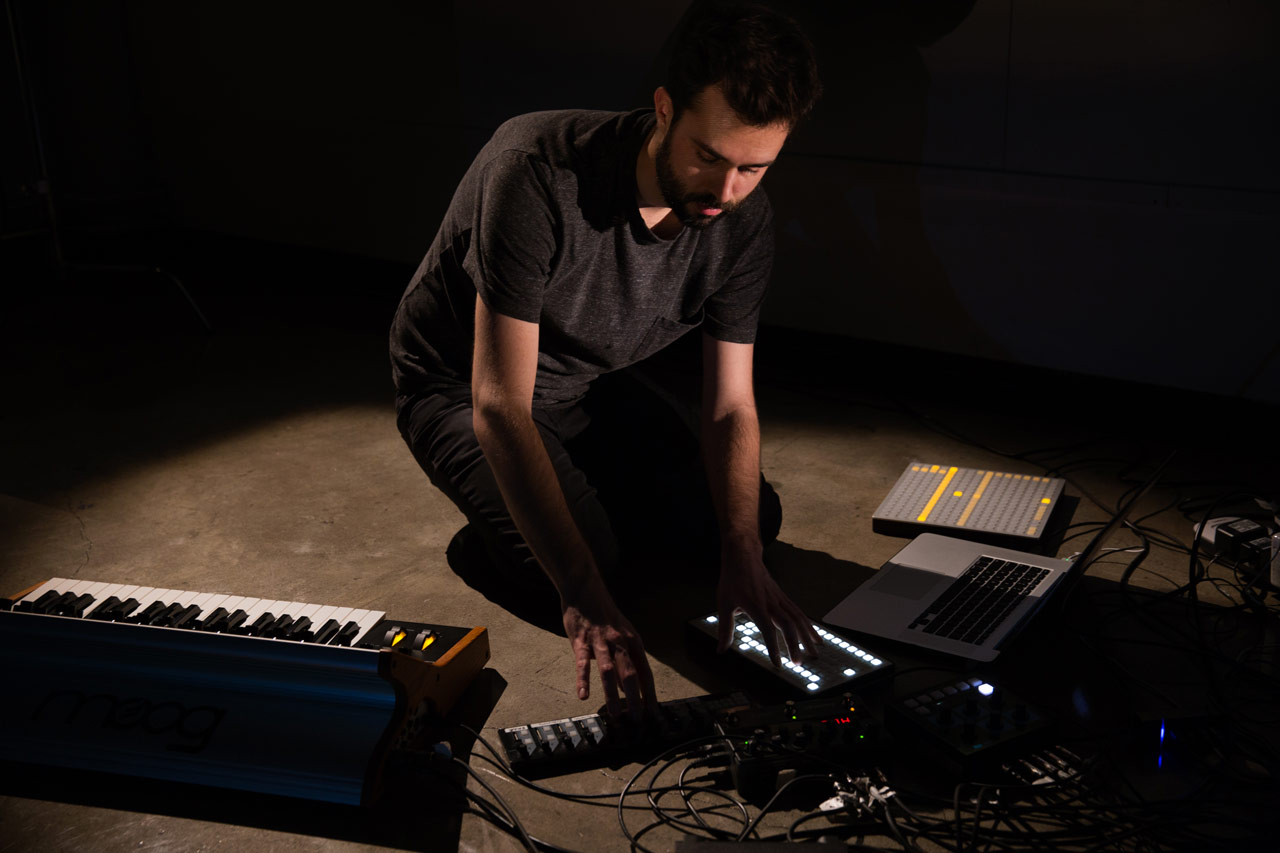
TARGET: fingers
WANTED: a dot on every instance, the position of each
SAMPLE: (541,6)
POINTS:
(771,643)
(798,647)
(608,638)
(582,662)
(801,638)
(650,693)
(724,623)
(792,633)
(628,669)
(607,666)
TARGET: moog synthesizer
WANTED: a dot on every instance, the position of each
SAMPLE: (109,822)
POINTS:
(276,697)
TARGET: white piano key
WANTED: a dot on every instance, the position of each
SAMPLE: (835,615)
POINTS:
(58,585)
(202,599)
(51,584)
(145,595)
(186,598)
(215,601)
(310,611)
(366,619)
(99,591)
(342,615)
(237,602)
(326,612)
(260,605)
(73,585)
(77,587)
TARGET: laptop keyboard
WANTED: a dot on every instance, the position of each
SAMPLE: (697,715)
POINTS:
(979,600)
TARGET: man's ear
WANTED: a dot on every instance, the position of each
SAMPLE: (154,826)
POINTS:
(663,108)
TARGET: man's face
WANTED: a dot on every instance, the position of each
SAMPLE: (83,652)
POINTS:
(709,161)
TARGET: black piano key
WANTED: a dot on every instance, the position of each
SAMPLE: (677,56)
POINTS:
(106,608)
(59,606)
(80,605)
(215,621)
(150,612)
(116,611)
(39,605)
(260,625)
(235,622)
(299,630)
(349,634)
(326,632)
(166,616)
(186,618)
(279,627)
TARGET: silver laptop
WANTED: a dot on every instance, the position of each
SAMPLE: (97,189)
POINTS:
(964,598)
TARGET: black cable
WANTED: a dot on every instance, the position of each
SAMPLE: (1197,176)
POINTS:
(700,825)
(804,818)
(596,800)
(622,822)
(774,799)
(491,812)
(524,834)
(688,798)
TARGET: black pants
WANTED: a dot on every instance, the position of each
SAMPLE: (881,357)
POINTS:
(629,465)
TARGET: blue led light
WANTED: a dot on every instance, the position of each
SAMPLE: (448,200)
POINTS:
(986,689)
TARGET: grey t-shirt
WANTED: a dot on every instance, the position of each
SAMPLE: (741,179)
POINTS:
(545,226)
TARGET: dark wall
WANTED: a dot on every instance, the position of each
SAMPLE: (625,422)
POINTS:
(1088,185)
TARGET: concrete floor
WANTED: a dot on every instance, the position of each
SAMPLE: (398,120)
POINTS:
(263,459)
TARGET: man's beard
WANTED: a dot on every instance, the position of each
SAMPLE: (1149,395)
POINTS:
(687,206)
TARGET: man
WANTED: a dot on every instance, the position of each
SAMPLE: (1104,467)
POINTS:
(578,244)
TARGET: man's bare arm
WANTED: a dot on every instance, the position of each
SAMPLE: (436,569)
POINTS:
(503,374)
(731,446)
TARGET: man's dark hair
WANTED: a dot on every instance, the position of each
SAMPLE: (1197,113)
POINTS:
(761,59)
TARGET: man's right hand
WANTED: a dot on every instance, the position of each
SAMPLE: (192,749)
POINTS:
(598,631)
(504,371)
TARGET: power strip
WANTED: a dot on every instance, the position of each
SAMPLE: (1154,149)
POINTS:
(578,743)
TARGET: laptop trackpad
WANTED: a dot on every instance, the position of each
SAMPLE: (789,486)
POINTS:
(906,583)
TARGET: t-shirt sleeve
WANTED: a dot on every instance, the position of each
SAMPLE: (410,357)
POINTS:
(733,311)
(513,235)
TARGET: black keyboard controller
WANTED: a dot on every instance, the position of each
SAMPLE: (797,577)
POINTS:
(971,724)
(579,743)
